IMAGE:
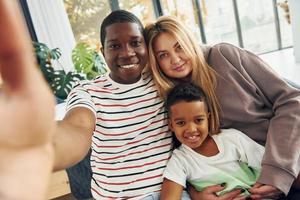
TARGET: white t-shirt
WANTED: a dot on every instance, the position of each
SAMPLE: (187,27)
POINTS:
(237,164)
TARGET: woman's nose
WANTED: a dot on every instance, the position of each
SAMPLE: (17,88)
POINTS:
(175,59)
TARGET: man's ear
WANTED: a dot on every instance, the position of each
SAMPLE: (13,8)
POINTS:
(170,124)
(102,51)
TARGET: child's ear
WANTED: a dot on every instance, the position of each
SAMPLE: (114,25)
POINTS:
(170,125)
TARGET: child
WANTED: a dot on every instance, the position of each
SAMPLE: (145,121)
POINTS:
(205,159)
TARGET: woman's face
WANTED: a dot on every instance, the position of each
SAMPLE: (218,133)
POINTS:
(170,56)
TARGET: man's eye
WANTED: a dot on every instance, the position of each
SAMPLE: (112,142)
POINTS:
(136,43)
(114,46)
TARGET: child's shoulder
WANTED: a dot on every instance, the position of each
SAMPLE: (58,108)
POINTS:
(231,134)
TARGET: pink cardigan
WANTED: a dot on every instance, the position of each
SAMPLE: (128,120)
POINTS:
(255,100)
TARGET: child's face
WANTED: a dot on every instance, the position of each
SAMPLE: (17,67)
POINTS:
(170,56)
(189,122)
(125,52)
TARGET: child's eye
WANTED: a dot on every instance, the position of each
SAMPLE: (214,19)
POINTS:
(199,120)
(180,123)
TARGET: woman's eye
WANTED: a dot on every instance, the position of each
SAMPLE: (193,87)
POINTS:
(162,56)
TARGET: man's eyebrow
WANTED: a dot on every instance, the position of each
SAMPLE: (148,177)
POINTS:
(112,40)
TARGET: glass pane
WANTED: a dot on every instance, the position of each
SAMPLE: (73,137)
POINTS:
(143,9)
(85,18)
(258,26)
(285,26)
(186,12)
(219,22)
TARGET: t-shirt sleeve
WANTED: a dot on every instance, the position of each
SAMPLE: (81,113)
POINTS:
(175,170)
(80,97)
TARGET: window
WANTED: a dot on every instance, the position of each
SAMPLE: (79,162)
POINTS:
(143,9)
(219,22)
(186,12)
(85,18)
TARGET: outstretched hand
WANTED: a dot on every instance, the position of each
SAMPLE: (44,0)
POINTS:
(26,113)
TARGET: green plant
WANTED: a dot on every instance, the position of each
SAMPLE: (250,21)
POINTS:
(88,61)
(60,82)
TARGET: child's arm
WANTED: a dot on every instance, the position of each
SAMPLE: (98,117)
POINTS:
(171,190)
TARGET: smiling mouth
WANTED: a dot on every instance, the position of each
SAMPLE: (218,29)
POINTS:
(128,66)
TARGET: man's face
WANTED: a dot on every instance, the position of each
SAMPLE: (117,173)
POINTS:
(125,52)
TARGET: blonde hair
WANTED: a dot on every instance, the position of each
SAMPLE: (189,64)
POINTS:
(202,74)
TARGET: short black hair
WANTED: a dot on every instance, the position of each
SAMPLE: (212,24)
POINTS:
(186,92)
(119,16)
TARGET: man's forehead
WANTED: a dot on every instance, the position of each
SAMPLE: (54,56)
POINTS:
(128,29)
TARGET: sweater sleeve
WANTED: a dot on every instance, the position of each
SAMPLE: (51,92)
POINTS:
(281,163)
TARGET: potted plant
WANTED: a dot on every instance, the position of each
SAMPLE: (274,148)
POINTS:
(88,64)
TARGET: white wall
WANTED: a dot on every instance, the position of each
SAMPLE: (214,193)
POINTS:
(294,6)
(52,27)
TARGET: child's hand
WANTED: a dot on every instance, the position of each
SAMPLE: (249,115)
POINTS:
(209,193)
(26,113)
(262,191)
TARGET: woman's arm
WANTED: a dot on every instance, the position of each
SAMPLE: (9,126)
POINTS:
(171,190)
(273,104)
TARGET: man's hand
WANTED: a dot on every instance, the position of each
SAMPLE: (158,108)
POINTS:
(209,193)
(26,113)
(261,191)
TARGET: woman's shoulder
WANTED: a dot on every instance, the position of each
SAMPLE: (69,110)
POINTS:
(225,49)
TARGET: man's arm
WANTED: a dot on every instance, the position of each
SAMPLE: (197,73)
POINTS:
(73,137)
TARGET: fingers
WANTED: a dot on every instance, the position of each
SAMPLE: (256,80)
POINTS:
(16,55)
(231,195)
(214,189)
(261,191)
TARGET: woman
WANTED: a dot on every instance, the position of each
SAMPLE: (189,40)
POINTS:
(251,97)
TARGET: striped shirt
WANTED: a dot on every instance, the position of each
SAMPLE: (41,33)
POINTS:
(131,143)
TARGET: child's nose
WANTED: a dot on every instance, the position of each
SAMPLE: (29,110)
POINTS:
(192,127)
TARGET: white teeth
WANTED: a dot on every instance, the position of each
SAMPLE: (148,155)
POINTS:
(192,137)
(127,66)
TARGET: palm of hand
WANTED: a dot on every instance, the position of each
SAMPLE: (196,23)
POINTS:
(26,119)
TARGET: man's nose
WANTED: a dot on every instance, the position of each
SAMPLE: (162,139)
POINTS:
(127,51)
